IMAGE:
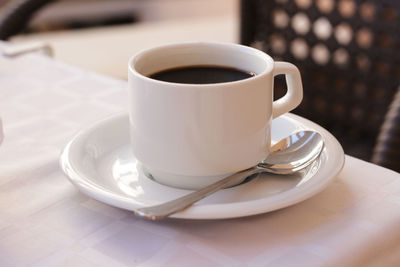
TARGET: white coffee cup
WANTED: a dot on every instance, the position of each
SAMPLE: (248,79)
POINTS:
(190,135)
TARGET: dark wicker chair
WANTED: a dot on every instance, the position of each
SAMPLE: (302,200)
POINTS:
(348,52)
(387,149)
(16,14)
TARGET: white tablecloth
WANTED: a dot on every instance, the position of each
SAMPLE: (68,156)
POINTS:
(46,221)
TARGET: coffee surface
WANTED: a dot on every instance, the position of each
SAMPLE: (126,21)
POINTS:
(201,75)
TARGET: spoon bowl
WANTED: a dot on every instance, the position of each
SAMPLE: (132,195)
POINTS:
(290,155)
(294,153)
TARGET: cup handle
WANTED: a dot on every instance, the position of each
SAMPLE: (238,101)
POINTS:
(294,93)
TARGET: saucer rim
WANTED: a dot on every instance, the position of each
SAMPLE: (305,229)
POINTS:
(210,211)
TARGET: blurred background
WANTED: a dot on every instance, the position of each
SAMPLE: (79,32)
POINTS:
(101,35)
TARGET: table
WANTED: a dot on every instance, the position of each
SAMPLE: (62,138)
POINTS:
(45,221)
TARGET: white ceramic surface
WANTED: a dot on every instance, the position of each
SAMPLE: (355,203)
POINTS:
(99,161)
(190,135)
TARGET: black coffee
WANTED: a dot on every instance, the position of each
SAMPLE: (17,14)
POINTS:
(201,75)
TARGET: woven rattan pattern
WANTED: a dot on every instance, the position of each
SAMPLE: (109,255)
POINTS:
(347,52)
(387,149)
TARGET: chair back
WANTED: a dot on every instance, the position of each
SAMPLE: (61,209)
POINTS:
(347,52)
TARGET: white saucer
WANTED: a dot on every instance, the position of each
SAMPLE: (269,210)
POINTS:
(98,160)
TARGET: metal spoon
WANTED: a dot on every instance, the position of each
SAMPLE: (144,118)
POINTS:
(290,155)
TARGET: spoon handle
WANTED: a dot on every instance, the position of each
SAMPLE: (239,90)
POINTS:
(163,210)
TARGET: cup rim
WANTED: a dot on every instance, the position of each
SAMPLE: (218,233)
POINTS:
(252,50)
